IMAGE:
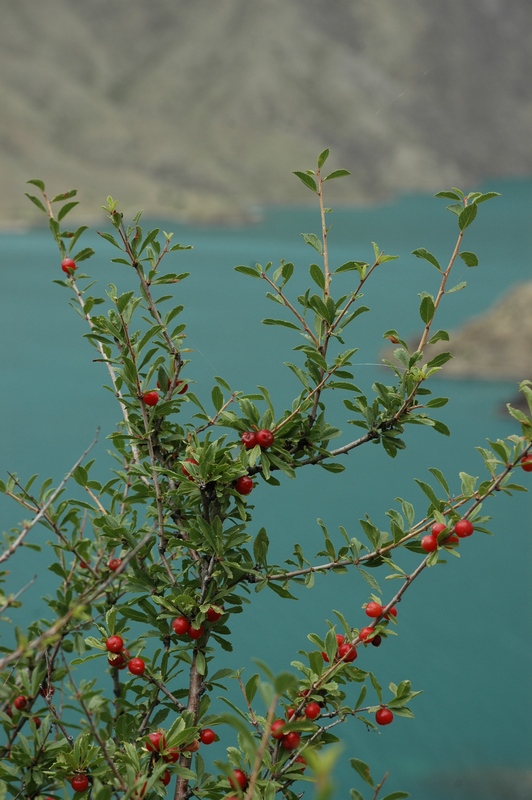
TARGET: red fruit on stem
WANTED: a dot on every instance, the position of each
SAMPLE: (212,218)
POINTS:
(114,564)
(264,438)
(238,778)
(312,711)
(325,656)
(196,631)
(172,755)
(437,528)
(181,626)
(301,760)
(182,388)
(165,778)
(136,666)
(290,712)
(347,652)
(244,485)
(463,528)
(46,690)
(213,615)
(291,741)
(37,722)
(192,747)
(119,661)
(376,641)
(526,463)
(383,716)
(68,265)
(429,544)
(150,398)
(277,728)
(207,736)
(184,469)
(249,439)
(366,634)
(115,644)
(20,702)
(373,610)
(83,565)
(80,783)
(155,742)
(392,612)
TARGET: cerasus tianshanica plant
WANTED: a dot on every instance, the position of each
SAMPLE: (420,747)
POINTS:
(110,691)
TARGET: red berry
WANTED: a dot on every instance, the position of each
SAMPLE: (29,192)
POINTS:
(264,438)
(366,634)
(192,746)
(249,439)
(429,544)
(115,644)
(20,702)
(68,265)
(437,528)
(373,610)
(37,722)
(526,463)
(155,742)
(290,712)
(277,728)
(165,778)
(136,666)
(213,615)
(119,661)
(391,612)
(301,760)
(325,656)
(114,563)
(376,641)
(463,528)
(291,741)
(172,755)
(312,711)
(196,631)
(181,626)
(207,736)
(80,783)
(340,639)
(182,387)
(150,398)
(83,565)
(46,690)
(184,469)
(383,716)
(347,652)
(238,778)
(244,485)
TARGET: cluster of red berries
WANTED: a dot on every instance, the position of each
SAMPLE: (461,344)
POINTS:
(120,657)
(462,529)
(263,438)
(151,398)
(183,627)
(345,651)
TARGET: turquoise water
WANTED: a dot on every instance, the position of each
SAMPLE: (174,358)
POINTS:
(465,628)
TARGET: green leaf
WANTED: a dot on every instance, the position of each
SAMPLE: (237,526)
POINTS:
(486,196)
(65,209)
(309,182)
(35,201)
(322,158)
(283,322)
(426,307)
(449,195)
(38,183)
(317,276)
(313,241)
(217,398)
(467,216)
(338,173)
(469,259)
(396,796)
(363,770)
(253,272)
(439,360)
(439,336)
(456,288)
(424,254)
(429,491)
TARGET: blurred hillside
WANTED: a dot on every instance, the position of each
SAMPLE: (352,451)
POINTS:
(202,108)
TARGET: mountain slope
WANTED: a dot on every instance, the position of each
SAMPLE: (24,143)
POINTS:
(203,108)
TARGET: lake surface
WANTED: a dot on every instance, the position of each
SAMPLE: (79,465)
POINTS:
(464,628)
